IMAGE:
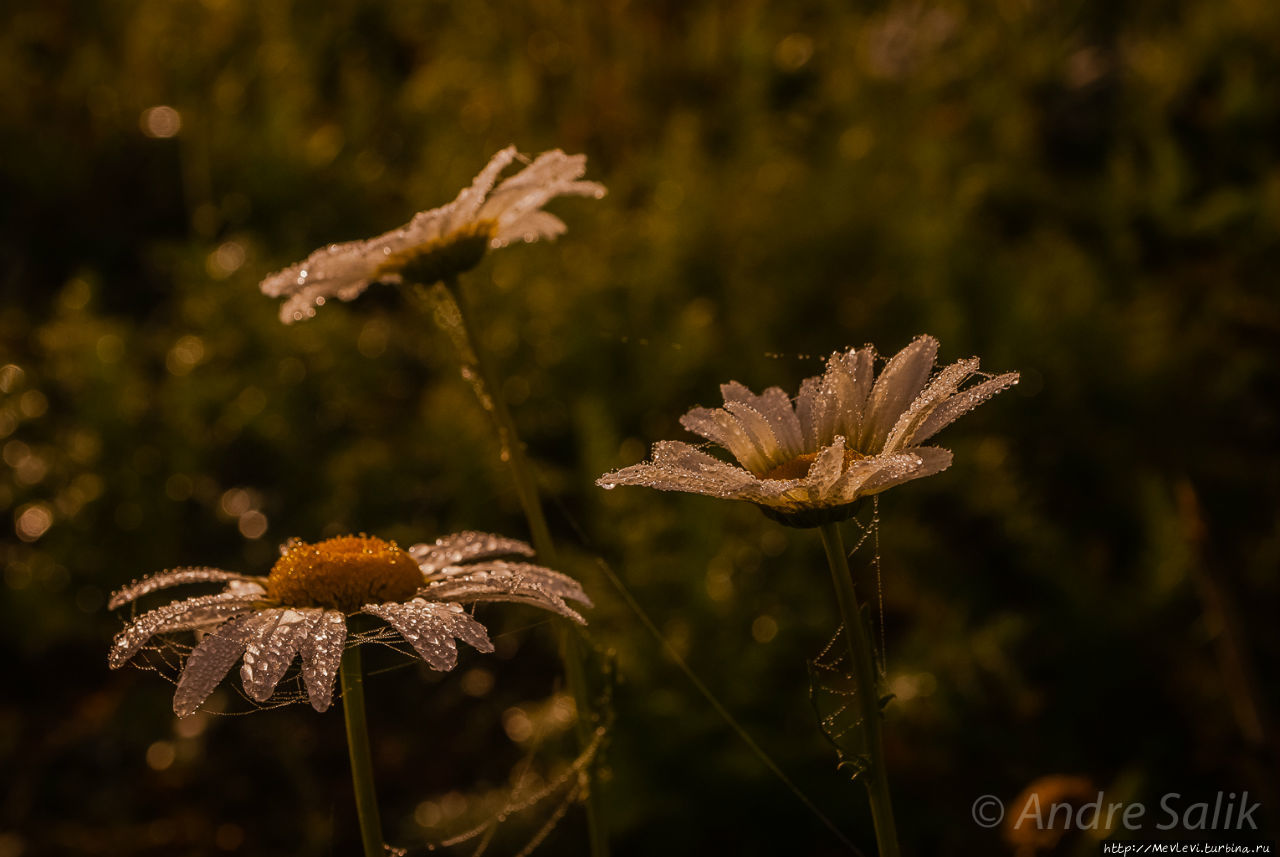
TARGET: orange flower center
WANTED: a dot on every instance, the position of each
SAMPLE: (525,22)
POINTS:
(798,467)
(343,574)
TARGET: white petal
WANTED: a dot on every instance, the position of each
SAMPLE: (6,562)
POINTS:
(678,466)
(430,627)
(202,611)
(849,380)
(961,404)
(515,582)
(464,547)
(900,382)
(550,175)
(321,656)
(271,648)
(210,661)
(854,482)
(929,460)
(165,579)
(833,404)
(468,202)
(536,225)
(938,390)
(811,410)
(826,469)
(775,406)
(724,428)
(761,433)
(547,580)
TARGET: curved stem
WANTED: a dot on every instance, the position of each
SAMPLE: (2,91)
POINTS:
(448,305)
(352,677)
(866,697)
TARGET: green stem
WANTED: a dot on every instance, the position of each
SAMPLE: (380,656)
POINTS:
(352,676)
(449,306)
(866,696)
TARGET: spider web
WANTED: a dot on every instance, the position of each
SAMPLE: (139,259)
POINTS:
(833,692)
(536,782)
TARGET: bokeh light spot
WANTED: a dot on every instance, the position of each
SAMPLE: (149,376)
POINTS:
(161,121)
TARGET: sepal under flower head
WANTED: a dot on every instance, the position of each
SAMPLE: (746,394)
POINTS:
(848,435)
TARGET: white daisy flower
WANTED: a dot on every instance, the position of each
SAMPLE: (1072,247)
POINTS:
(443,242)
(844,437)
(302,607)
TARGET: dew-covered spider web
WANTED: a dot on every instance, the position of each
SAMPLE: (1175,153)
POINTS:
(832,689)
(540,790)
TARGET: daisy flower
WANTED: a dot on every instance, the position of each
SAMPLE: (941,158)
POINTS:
(848,435)
(302,608)
(441,243)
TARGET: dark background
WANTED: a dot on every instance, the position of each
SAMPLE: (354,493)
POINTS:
(1086,192)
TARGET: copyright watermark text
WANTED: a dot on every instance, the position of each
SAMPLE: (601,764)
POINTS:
(1226,811)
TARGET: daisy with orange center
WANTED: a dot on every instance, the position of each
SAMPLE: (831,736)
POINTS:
(302,607)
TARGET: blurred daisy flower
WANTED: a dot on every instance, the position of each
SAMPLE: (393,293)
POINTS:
(441,243)
(303,605)
(845,437)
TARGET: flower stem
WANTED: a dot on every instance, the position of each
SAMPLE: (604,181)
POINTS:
(448,305)
(866,696)
(352,675)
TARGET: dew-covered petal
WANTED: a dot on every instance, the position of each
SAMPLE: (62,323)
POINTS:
(165,579)
(468,202)
(201,611)
(430,627)
(900,382)
(720,426)
(811,410)
(848,378)
(929,460)
(960,404)
(533,226)
(859,476)
(677,466)
(341,271)
(548,580)
(271,648)
(826,469)
(551,174)
(516,582)
(210,661)
(942,386)
(321,656)
(775,406)
(761,433)
(464,547)
(834,403)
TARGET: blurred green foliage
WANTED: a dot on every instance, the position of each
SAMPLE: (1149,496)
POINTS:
(1086,192)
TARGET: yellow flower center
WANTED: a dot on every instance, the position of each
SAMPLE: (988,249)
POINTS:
(343,574)
(798,467)
(451,254)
